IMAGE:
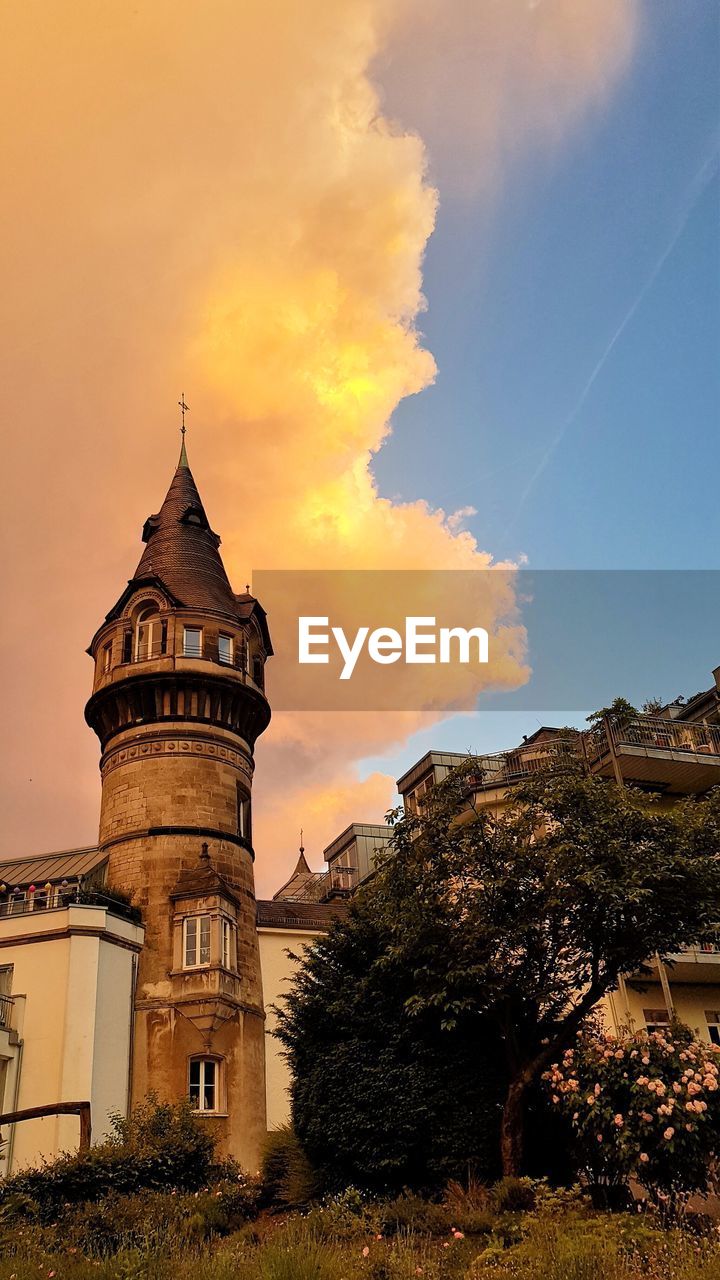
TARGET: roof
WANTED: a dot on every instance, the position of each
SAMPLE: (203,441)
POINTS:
(372,830)
(181,553)
(316,917)
(201,879)
(68,864)
(299,877)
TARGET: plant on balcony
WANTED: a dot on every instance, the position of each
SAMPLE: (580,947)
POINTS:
(645,1106)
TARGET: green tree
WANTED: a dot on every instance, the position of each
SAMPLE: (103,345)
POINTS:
(381,1100)
(527,917)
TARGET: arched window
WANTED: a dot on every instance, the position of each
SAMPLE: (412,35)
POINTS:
(204,1084)
(150,634)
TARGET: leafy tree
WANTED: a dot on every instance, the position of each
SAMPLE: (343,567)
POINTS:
(528,917)
(646,1106)
(620,709)
(381,1100)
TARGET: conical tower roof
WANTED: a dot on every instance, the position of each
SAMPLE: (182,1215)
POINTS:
(182,550)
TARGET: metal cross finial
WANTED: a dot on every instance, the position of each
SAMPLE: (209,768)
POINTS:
(184,409)
(302,847)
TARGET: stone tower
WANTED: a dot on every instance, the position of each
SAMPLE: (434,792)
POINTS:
(178,702)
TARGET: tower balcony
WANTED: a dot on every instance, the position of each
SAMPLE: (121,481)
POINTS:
(668,755)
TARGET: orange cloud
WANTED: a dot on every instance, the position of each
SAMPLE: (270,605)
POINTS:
(210,197)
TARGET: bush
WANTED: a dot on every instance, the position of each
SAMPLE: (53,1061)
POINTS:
(288,1177)
(161,1145)
(514,1195)
(643,1106)
(409,1213)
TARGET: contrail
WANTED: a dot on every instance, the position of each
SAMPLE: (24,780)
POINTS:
(698,187)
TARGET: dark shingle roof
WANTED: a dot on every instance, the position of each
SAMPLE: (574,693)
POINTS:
(313,916)
(182,549)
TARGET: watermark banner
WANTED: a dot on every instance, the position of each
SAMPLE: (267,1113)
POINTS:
(387,640)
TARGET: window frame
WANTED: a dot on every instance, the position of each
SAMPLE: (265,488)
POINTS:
(712,1018)
(227,943)
(202,1062)
(656,1023)
(197,922)
(187,651)
(226,660)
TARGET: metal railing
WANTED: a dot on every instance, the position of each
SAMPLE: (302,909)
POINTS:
(653,733)
(58,899)
(6,1008)
(501,767)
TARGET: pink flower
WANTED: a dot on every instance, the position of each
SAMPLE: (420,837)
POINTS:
(619,1120)
(458,1235)
(644,1157)
(599,1137)
(668,1133)
(366,1252)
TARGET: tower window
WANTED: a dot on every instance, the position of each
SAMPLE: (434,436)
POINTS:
(258,673)
(227,944)
(192,642)
(244,825)
(225,649)
(107,656)
(204,1083)
(150,635)
(196,941)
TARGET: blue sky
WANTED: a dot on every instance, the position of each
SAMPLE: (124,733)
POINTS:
(576,327)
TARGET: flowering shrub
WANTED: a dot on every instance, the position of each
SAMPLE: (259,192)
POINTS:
(646,1106)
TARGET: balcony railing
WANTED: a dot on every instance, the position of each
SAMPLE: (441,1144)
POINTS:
(58,899)
(504,767)
(653,734)
(6,1008)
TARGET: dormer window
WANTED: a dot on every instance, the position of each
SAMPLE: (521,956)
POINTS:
(192,642)
(196,941)
(150,634)
(225,649)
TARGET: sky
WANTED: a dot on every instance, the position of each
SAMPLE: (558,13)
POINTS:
(440,283)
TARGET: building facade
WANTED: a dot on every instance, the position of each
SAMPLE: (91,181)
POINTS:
(144,963)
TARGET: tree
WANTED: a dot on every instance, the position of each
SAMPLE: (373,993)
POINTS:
(381,1100)
(528,917)
(644,1106)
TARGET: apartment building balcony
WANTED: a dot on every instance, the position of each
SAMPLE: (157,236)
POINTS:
(671,755)
(698,965)
(505,768)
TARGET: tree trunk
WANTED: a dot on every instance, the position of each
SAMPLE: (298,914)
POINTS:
(512,1129)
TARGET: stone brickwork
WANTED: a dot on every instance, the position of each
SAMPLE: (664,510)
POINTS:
(177,738)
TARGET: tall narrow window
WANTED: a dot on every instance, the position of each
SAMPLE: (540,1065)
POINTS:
(713,1020)
(148,634)
(244,824)
(196,941)
(227,944)
(225,649)
(258,672)
(203,1081)
(192,642)
(107,656)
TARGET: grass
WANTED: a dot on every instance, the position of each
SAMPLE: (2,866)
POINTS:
(470,1237)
